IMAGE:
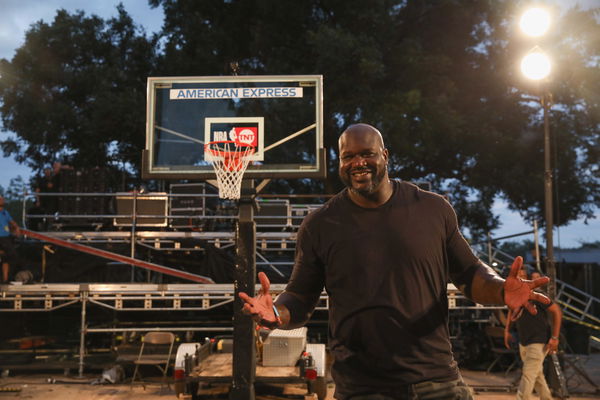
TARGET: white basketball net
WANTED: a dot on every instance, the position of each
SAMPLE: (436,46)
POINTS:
(230,160)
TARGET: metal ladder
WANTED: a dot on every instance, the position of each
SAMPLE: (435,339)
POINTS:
(577,305)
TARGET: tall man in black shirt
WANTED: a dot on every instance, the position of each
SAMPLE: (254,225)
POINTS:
(384,251)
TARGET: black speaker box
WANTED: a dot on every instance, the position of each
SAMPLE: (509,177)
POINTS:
(146,204)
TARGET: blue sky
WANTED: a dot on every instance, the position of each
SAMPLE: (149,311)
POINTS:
(18,15)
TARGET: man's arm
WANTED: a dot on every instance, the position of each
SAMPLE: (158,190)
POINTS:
(556,315)
(507,335)
(487,286)
(483,285)
(295,305)
(270,315)
(302,306)
(260,308)
(15,228)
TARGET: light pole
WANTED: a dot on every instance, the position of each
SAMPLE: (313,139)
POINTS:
(550,266)
(536,66)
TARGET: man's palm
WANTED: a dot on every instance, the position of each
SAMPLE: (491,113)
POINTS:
(260,308)
(518,292)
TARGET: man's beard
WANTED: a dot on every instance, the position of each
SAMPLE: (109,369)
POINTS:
(377,177)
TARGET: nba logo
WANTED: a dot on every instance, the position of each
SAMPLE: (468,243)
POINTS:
(241,133)
(245,135)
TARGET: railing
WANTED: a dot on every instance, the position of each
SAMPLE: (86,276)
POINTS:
(495,257)
(101,211)
(159,221)
(277,232)
(147,297)
(577,305)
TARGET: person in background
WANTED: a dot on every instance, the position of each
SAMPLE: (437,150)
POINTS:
(47,184)
(8,228)
(537,338)
(536,274)
(57,170)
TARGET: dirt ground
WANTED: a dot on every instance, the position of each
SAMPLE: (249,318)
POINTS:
(57,386)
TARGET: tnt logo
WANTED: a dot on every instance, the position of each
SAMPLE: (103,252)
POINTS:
(239,134)
(243,133)
(246,135)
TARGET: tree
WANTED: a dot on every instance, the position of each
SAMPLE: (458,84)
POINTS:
(439,78)
(521,248)
(75,92)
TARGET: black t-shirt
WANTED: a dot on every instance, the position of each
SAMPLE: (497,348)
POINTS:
(386,271)
(534,328)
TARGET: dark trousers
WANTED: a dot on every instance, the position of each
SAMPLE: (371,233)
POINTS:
(452,390)
(9,254)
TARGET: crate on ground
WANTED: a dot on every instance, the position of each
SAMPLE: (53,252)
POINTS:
(283,347)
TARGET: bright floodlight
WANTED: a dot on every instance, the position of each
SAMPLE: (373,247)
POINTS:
(535,21)
(535,65)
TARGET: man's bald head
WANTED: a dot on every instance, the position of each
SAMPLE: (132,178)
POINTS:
(359,130)
(363,164)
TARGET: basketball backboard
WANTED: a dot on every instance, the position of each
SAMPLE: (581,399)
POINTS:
(282,116)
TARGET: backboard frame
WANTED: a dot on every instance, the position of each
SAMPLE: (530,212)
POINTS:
(314,168)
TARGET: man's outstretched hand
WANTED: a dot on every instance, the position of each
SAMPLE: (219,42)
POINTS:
(260,308)
(518,292)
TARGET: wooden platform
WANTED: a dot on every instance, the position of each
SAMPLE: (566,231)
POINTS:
(217,367)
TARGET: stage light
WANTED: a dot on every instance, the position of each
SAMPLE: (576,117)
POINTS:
(536,65)
(535,21)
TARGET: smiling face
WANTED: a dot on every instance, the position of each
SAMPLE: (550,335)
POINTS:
(363,160)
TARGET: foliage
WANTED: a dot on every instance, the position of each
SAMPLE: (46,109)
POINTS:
(590,245)
(522,248)
(75,92)
(516,248)
(439,78)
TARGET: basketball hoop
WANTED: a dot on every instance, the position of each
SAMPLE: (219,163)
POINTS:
(230,160)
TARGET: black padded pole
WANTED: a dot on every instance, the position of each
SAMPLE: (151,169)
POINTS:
(244,353)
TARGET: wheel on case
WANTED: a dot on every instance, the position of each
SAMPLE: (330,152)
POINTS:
(192,389)
(179,388)
(318,387)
